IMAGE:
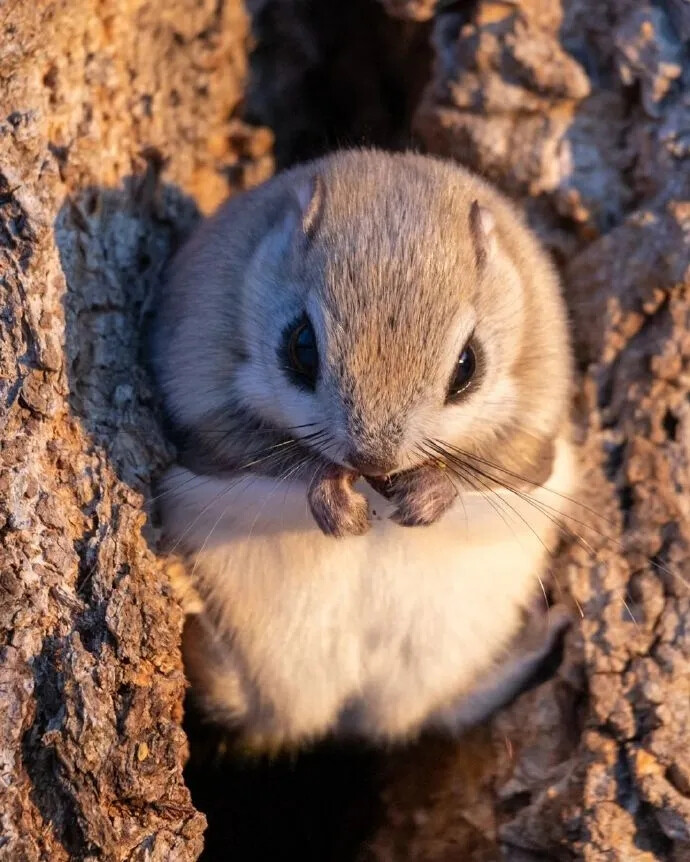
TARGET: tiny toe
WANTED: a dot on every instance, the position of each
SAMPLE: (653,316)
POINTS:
(408,519)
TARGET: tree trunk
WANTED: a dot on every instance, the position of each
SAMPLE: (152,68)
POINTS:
(111,115)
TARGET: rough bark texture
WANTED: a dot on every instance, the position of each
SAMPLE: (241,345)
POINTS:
(117,120)
(111,114)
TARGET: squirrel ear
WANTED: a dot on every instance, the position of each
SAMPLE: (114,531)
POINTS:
(483,229)
(310,194)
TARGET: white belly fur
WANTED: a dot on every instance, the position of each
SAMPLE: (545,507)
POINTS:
(366,633)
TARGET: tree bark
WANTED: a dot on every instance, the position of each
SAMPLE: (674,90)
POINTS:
(111,116)
(579,110)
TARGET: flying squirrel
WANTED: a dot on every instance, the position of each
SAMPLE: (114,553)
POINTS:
(366,367)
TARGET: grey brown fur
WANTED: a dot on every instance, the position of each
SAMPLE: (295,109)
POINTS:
(410,290)
(385,623)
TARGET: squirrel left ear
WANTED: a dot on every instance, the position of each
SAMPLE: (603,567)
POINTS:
(310,194)
(483,230)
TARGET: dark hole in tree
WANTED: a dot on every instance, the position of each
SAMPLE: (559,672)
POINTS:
(670,423)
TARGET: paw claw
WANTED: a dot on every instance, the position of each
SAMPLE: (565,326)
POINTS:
(407,518)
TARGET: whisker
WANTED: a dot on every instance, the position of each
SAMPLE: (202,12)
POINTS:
(627,607)
(182,484)
(205,509)
(499,511)
(202,477)
(539,505)
(611,539)
(309,439)
(424,455)
(520,478)
(207,539)
(473,485)
(288,475)
(260,430)
(298,468)
(545,509)
(477,474)
(473,471)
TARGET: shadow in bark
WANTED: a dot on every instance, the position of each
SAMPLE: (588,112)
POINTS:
(114,245)
(318,805)
(53,799)
(328,75)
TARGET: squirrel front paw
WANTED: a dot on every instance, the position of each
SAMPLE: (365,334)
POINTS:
(337,508)
(421,495)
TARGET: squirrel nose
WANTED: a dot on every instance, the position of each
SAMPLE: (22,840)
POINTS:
(369,465)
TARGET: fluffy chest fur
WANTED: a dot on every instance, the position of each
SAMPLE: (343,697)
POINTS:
(302,634)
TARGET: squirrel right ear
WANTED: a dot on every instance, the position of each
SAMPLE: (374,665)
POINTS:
(482,229)
(310,197)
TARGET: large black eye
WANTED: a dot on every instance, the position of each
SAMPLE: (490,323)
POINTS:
(301,354)
(463,374)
